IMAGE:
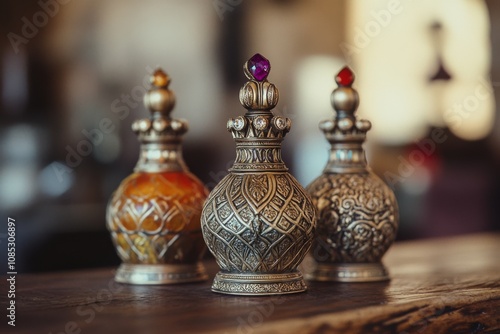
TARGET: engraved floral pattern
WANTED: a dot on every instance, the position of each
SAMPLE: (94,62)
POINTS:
(258,186)
(262,288)
(275,223)
(357,218)
(155,218)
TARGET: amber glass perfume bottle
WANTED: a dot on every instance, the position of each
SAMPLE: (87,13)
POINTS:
(258,221)
(357,211)
(154,215)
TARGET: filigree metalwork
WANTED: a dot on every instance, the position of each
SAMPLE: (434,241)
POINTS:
(258,221)
(357,212)
(154,215)
(357,219)
(259,284)
(164,273)
(151,227)
(352,272)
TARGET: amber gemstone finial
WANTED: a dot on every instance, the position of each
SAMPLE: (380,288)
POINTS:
(159,126)
(160,79)
(160,99)
(154,215)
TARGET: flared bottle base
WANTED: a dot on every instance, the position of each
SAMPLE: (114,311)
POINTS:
(258,284)
(349,272)
(150,274)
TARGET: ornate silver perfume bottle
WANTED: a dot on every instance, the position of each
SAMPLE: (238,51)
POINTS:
(258,221)
(357,211)
(154,215)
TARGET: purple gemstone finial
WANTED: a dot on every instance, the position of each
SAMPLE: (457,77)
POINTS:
(259,67)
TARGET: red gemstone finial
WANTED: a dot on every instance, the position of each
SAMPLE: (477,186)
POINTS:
(259,67)
(345,77)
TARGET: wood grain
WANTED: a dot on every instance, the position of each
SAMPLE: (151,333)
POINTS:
(438,286)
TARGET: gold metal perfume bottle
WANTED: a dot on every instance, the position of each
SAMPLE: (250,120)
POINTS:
(154,215)
(357,211)
(258,221)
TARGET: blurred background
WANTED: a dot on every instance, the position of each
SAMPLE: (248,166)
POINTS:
(428,73)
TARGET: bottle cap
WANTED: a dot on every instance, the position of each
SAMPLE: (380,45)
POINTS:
(160,100)
(345,126)
(259,97)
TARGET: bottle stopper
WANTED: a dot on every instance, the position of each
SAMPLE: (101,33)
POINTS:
(160,101)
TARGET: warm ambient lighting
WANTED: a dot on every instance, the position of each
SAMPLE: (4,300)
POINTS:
(312,104)
(396,52)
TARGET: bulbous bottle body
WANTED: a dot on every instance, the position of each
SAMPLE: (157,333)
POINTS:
(154,215)
(154,218)
(357,212)
(258,224)
(268,211)
(357,218)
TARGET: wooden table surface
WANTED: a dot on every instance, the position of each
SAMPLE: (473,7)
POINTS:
(438,286)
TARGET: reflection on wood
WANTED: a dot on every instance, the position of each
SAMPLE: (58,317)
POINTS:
(438,286)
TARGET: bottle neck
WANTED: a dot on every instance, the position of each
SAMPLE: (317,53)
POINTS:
(258,155)
(160,157)
(347,158)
